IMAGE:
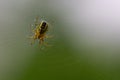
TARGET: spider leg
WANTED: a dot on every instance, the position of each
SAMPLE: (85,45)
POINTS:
(41,40)
(49,36)
(36,20)
(32,39)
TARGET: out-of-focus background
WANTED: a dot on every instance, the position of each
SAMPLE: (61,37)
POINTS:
(85,46)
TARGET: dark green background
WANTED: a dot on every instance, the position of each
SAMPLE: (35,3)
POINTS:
(63,61)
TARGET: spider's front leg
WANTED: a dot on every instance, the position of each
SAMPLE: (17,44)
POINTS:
(41,40)
(33,38)
(49,36)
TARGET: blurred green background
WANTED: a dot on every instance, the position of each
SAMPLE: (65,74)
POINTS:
(74,54)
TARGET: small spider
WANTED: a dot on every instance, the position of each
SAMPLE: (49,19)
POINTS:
(39,33)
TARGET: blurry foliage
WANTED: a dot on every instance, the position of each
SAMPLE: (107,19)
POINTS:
(58,62)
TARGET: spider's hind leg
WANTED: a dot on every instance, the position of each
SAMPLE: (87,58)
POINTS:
(36,20)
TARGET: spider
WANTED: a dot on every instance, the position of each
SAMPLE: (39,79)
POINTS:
(39,33)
